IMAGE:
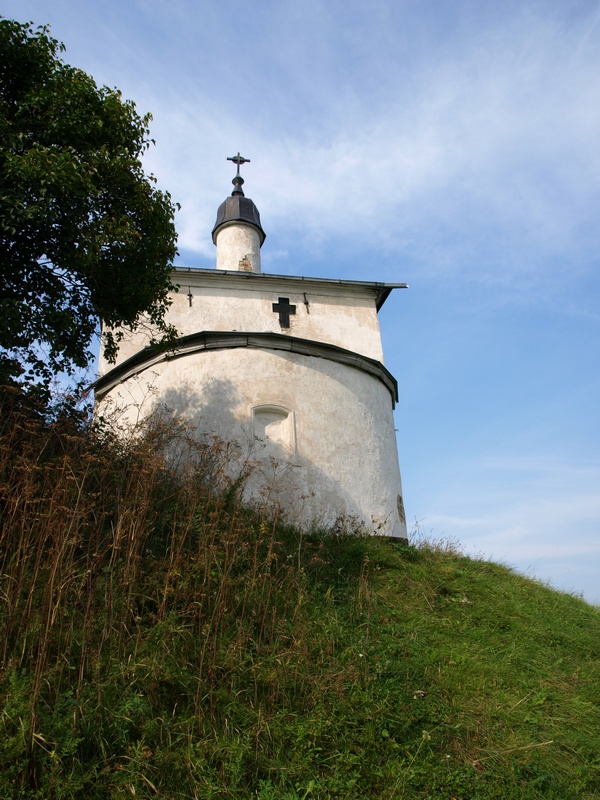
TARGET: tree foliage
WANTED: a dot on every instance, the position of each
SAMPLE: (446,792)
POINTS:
(84,232)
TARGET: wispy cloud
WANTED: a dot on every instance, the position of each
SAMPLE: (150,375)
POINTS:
(487,153)
(470,130)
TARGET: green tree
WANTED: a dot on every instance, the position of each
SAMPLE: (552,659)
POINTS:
(85,235)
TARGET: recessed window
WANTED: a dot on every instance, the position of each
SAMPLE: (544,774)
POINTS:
(274,425)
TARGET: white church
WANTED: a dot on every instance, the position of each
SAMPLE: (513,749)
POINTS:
(289,369)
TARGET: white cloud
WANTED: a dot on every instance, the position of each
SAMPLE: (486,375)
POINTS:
(497,139)
(462,139)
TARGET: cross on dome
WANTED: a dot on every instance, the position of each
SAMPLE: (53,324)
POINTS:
(239,160)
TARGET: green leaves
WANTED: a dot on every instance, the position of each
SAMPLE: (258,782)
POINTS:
(84,233)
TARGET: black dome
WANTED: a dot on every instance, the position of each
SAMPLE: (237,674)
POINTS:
(238,208)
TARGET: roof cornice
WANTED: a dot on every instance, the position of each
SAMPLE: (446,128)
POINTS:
(197,276)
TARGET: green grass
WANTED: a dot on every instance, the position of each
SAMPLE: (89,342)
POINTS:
(158,640)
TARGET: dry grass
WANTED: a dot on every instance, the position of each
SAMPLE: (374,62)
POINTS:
(159,640)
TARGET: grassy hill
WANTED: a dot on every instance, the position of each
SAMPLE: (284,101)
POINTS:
(157,640)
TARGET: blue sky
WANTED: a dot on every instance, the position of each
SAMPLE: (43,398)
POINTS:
(454,145)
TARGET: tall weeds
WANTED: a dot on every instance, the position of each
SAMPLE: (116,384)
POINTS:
(130,563)
(157,639)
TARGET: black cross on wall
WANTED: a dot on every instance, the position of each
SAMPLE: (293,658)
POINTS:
(284,309)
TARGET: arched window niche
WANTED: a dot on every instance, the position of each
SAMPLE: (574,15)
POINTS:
(275,425)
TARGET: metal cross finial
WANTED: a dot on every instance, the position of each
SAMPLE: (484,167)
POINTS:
(239,160)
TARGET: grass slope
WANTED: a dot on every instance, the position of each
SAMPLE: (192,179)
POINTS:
(158,640)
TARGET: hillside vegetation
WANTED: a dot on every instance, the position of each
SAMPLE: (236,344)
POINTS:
(157,640)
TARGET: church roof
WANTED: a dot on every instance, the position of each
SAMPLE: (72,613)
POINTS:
(381,290)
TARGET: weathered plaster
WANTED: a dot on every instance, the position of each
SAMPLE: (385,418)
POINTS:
(337,313)
(238,248)
(318,431)
(342,459)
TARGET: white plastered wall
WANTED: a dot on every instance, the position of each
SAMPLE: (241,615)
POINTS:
(334,457)
(238,248)
(343,316)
